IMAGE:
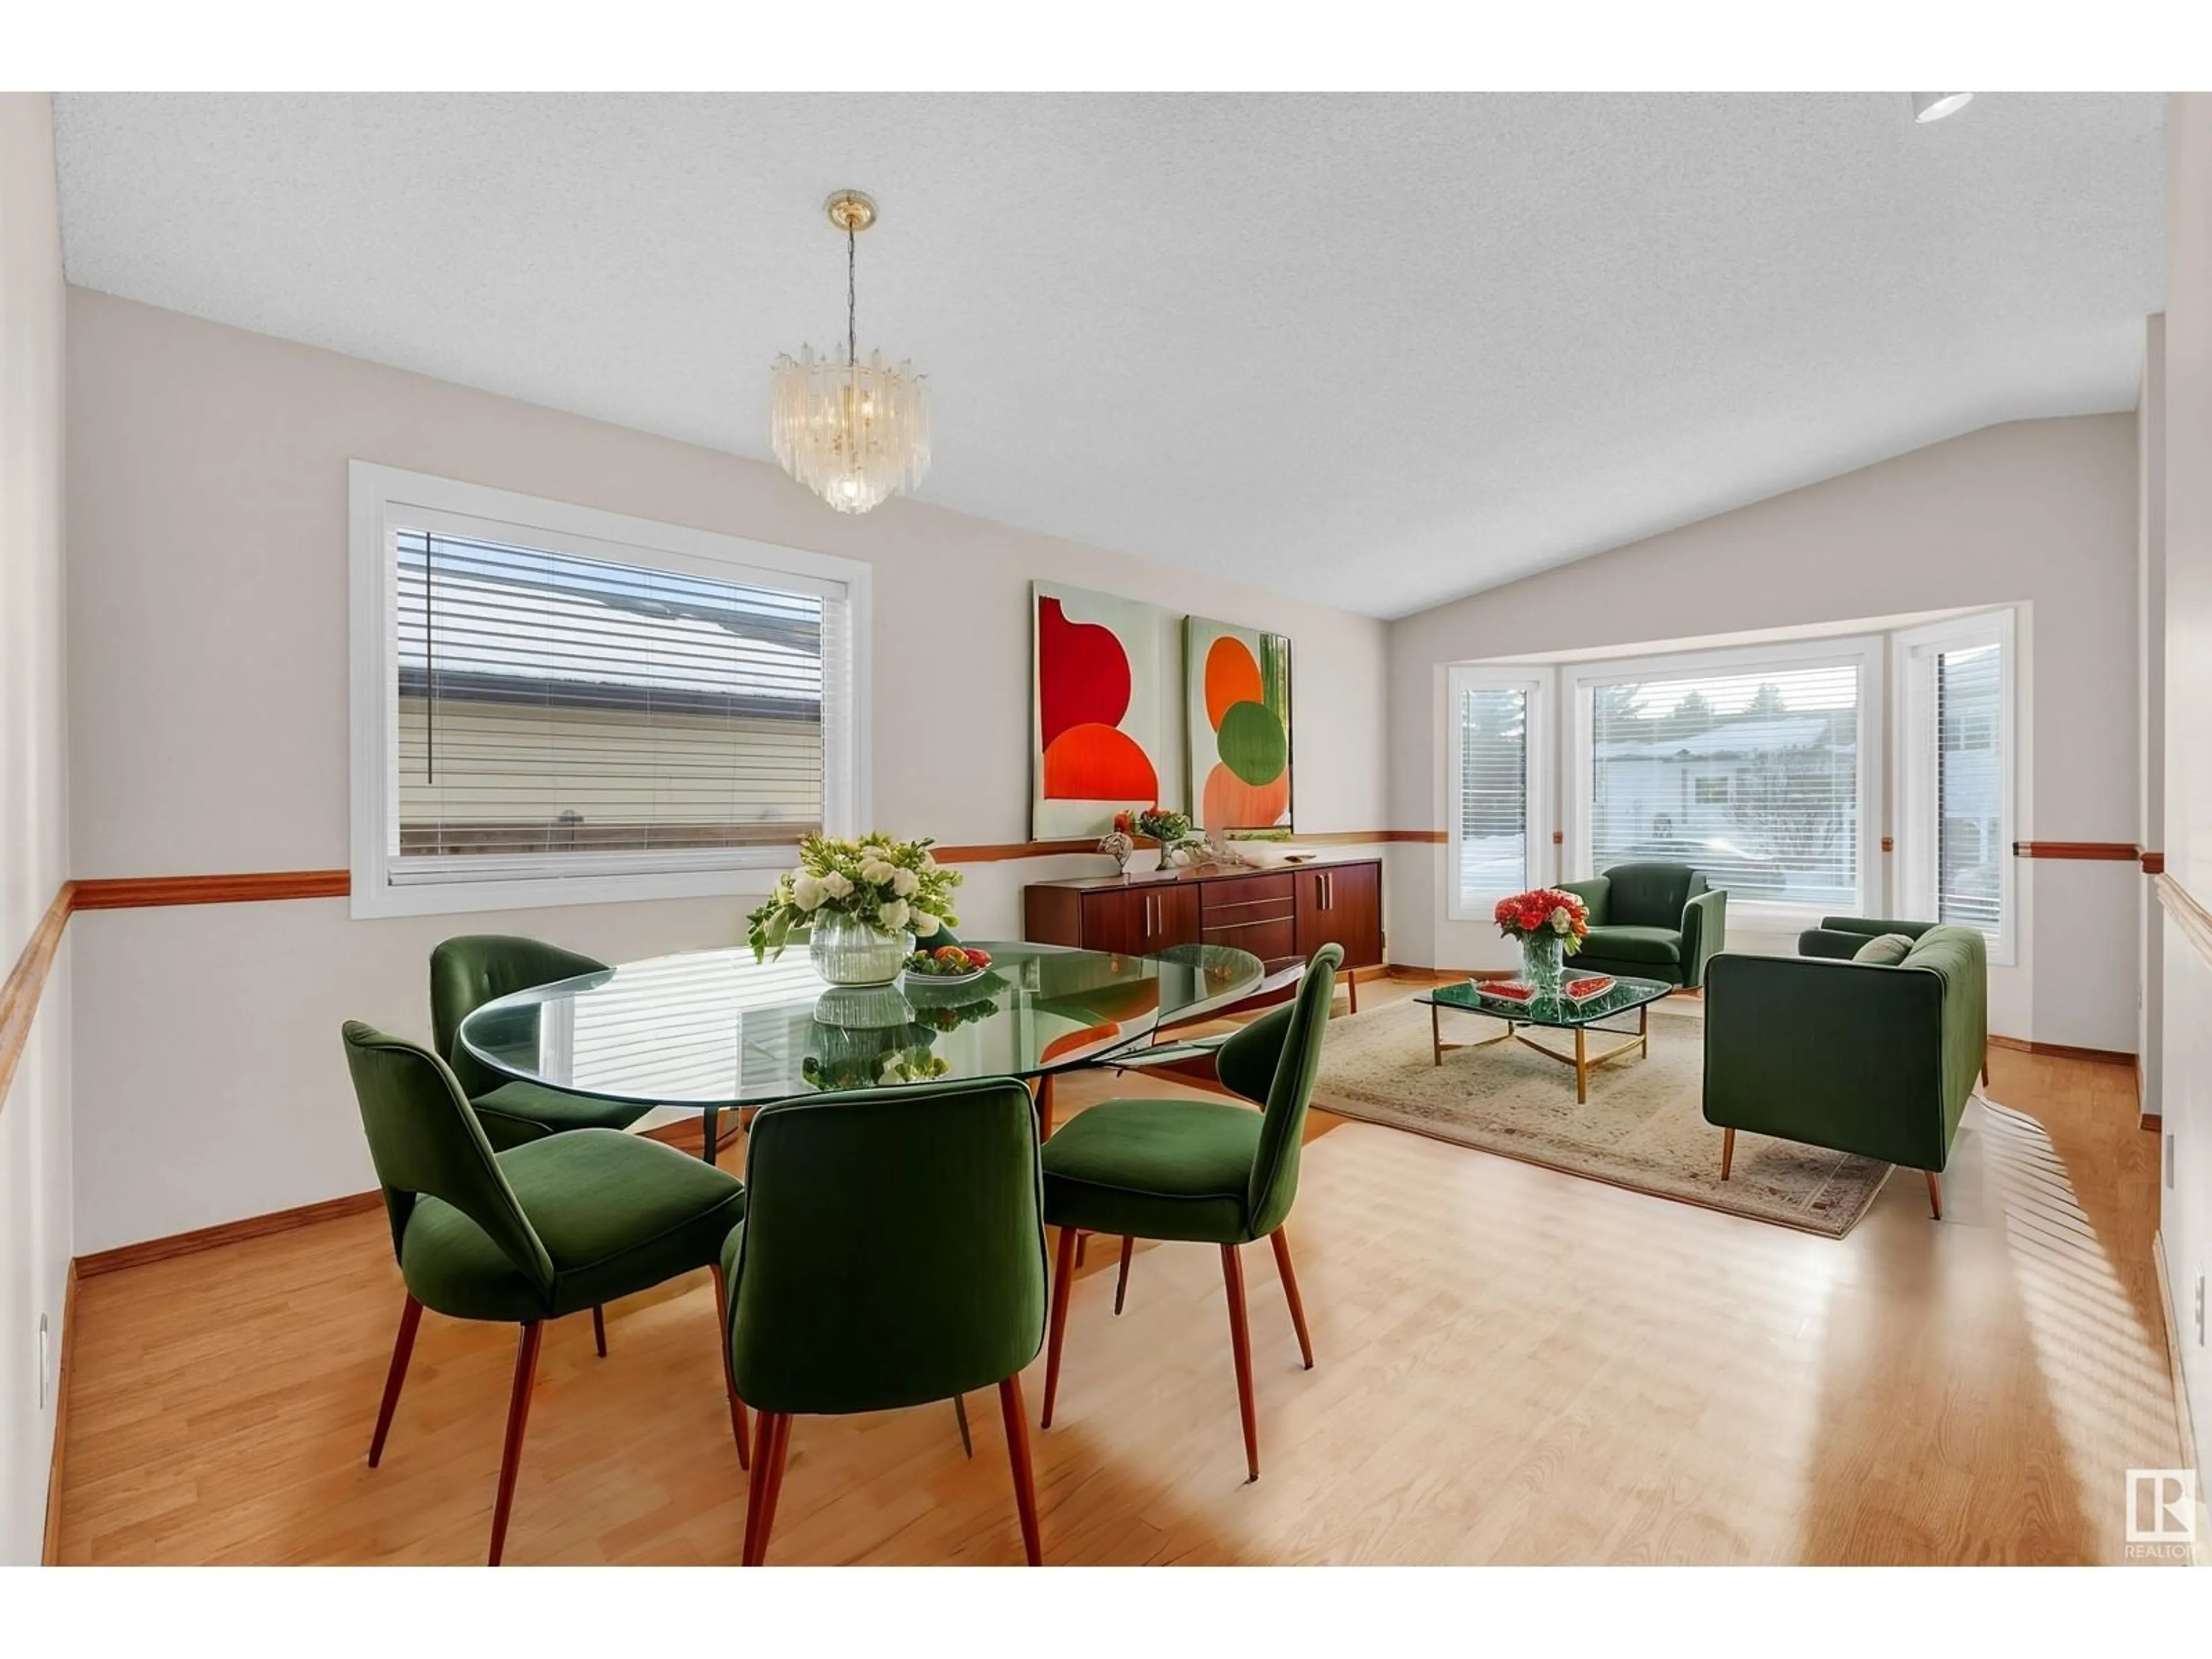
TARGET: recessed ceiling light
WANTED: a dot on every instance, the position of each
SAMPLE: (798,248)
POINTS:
(1935,106)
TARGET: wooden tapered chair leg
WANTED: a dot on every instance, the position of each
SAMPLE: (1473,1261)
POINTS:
(1063,1281)
(1280,1238)
(599,1329)
(1121,1278)
(1935,1193)
(1082,1245)
(518,1419)
(1017,1454)
(1240,1346)
(1728,1151)
(411,1316)
(771,1440)
(729,1377)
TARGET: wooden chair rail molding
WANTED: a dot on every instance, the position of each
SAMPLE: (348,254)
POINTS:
(144,892)
(26,983)
(2115,852)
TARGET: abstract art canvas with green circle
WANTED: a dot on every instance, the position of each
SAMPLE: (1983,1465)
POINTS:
(1236,689)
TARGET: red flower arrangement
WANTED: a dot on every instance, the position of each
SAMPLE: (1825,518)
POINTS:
(1544,910)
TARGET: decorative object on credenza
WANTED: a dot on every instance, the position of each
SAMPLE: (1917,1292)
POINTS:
(1102,711)
(1223,849)
(859,904)
(1236,699)
(1550,925)
(1120,843)
(1172,830)
(851,432)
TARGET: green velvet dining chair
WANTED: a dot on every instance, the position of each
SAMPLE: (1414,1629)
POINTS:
(1198,1171)
(892,1255)
(466,973)
(541,1230)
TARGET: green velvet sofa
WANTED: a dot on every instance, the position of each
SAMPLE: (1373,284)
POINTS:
(1874,1052)
(1658,921)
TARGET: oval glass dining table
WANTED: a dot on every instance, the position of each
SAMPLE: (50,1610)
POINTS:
(711,1030)
(715,1031)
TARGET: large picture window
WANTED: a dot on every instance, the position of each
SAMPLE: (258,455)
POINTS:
(1498,765)
(1754,770)
(555,705)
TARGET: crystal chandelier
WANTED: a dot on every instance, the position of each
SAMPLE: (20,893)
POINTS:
(852,432)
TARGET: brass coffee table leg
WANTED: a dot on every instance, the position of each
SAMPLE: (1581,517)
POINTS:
(1439,1048)
(1584,1062)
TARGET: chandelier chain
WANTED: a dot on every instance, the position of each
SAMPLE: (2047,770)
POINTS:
(852,300)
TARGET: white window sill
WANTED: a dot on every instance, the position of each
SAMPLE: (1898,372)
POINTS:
(458,894)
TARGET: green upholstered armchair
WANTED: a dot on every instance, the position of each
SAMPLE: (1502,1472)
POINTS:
(536,1232)
(466,973)
(1200,1171)
(894,1256)
(1875,1055)
(1658,921)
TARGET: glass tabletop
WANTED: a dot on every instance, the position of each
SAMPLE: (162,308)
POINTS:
(1625,996)
(716,1029)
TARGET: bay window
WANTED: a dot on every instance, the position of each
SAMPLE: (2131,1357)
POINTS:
(1757,767)
(1498,765)
(1956,795)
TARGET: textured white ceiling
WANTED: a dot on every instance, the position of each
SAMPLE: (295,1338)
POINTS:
(1377,350)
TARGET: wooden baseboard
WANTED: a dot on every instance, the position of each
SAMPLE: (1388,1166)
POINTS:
(51,1554)
(2151,1121)
(228,1232)
(1444,975)
(2063,1051)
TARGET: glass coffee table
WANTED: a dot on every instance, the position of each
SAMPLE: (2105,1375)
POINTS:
(1627,996)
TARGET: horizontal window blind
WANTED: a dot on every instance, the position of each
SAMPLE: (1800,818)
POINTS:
(1970,848)
(1750,776)
(1493,794)
(554,705)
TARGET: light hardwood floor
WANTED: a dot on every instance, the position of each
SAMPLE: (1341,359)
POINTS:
(1513,1366)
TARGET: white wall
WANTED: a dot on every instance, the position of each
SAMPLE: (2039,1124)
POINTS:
(207,498)
(2185,1216)
(34,1116)
(2037,513)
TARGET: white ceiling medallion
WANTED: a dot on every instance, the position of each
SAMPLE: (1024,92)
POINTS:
(851,432)
(1935,106)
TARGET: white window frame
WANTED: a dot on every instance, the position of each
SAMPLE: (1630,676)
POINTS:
(1917,828)
(1863,651)
(1537,684)
(383,499)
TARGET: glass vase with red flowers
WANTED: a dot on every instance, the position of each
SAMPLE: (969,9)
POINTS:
(1550,924)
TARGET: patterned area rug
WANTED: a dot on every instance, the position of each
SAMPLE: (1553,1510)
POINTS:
(1643,1128)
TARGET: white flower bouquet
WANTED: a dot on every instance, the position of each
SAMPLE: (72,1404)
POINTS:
(895,885)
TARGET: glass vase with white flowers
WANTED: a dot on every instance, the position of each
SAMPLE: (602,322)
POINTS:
(860,905)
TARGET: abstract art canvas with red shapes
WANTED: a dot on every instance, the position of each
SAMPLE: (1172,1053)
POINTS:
(1103,709)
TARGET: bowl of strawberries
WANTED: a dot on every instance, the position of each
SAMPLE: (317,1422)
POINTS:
(949,964)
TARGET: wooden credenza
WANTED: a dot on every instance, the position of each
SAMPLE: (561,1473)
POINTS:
(1281,916)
